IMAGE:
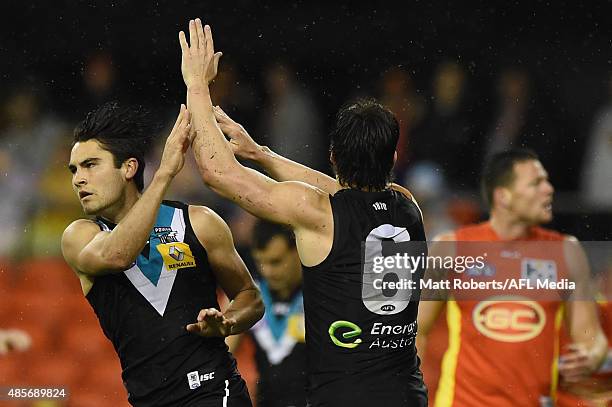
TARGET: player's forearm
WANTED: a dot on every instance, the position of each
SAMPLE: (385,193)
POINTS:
(214,157)
(246,308)
(284,169)
(125,242)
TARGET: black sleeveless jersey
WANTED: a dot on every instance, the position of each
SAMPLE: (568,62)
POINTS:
(361,311)
(280,350)
(144,311)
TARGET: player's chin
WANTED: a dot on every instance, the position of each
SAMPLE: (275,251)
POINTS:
(546,216)
(89,209)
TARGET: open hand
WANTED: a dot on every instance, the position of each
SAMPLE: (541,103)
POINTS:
(199,61)
(212,322)
(177,143)
(577,364)
(242,144)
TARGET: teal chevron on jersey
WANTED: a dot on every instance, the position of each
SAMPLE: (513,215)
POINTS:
(152,266)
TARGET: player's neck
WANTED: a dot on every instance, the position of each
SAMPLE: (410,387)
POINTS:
(285,293)
(122,206)
(364,189)
(508,227)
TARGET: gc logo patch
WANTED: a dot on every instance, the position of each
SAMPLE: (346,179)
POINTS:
(509,320)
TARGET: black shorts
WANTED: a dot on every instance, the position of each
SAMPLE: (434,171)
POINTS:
(233,392)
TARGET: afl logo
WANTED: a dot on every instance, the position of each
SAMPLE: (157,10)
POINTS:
(388,308)
(509,321)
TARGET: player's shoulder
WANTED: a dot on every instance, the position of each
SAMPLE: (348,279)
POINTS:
(312,202)
(406,193)
(201,215)
(76,236)
(540,233)
(403,190)
(79,228)
(210,228)
(448,236)
(475,231)
(309,192)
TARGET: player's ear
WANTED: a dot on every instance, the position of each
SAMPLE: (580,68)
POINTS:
(394,157)
(502,197)
(130,167)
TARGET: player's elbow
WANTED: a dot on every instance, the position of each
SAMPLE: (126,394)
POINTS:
(259,307)
(107,263)
(120,263)
(222,181)
(256,306)
(215,177)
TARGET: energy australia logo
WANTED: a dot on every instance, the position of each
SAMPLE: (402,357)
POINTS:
(345,334)
(345,330)
(387,285)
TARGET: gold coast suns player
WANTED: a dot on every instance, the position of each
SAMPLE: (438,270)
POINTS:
(503,345)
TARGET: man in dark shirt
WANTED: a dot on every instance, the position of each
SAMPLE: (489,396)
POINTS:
(359,335)
(149,268)
(280,349)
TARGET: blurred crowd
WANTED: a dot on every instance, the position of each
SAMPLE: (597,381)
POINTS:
(448,128)
(446,132)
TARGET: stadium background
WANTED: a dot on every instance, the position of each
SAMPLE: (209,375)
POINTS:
(287,67)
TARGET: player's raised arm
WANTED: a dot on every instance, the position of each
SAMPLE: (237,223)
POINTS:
(278,167)
(292,203)
(90,251)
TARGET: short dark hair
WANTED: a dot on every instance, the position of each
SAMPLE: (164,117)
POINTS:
(363,142)
(265,231)
(123,131)
(499,170)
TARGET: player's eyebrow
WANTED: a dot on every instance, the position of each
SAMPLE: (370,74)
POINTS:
(72,167)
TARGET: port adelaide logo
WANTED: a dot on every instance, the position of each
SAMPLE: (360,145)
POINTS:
(165,234)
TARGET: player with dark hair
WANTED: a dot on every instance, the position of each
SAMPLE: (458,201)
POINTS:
(359,338)
(503,345)
(125,132)
(149,268)
(280,351)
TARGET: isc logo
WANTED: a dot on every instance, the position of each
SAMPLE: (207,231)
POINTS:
(195,379)
(509,321)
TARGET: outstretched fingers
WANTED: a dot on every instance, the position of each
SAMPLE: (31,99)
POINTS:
(193,35)
(179,119)
(200,34)
(210,45)
(183,42)
(221,116)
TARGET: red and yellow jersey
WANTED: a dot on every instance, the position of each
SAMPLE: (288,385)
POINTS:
(503,349)
(596,390)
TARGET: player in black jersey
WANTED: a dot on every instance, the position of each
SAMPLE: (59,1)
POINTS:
(280,349)
(359,335)
(149,268)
